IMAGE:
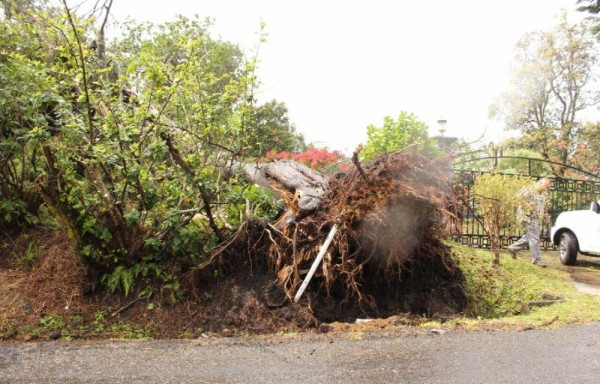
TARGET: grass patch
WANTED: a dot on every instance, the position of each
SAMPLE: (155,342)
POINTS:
(27,258)
(497,294)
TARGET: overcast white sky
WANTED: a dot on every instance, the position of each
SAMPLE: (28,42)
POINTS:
(342,65)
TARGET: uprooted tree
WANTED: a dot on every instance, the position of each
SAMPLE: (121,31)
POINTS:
(387,255)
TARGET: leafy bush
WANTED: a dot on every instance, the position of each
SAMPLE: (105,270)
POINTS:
(24,96)
(124,147)
(495,196)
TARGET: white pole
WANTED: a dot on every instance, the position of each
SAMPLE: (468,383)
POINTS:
(315,264)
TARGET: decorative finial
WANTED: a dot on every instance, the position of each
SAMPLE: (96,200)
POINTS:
(442,122)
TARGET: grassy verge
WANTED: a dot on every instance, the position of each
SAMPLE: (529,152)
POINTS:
(499,296)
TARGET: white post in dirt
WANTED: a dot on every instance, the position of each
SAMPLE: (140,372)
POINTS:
(315,264)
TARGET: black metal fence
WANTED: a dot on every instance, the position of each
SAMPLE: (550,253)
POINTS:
(564,195)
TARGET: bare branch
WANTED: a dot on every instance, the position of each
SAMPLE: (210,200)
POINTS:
(84,72)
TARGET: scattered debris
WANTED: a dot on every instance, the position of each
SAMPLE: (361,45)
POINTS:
(55,335)
(527,305)
(437,331)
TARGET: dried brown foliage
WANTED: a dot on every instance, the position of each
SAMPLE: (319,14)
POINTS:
(54,283)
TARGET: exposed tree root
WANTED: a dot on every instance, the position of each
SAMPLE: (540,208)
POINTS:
(387,256)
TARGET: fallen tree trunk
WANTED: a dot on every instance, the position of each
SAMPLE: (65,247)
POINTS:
(293,181)
(387,255)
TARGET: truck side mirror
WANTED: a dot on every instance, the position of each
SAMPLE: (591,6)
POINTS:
(595,207)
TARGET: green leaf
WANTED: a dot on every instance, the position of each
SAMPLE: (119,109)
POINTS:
(133,218)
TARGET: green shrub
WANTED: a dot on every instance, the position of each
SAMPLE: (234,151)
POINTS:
(495,196)
(125,150)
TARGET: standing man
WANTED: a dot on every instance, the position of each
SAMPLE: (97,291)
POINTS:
(530,214)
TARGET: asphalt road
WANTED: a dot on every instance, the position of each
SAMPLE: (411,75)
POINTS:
(565,355)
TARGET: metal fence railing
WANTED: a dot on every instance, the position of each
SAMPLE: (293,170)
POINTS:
(564,195)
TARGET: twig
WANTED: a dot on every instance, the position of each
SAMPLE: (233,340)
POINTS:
(479,138)
(115,313)
(208,142)
(485,197)
(357,162)
(486,231)
(204,195)
(278,231)
(84,72)
(550,321)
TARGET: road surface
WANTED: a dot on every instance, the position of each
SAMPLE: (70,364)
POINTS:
(566,355)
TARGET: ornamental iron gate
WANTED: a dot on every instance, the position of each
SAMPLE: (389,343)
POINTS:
(564,195)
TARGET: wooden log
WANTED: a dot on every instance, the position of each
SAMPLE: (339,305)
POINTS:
(287,177)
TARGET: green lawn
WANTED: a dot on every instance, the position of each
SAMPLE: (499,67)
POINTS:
(499,296)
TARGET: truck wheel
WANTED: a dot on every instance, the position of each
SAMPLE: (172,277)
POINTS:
(567,248)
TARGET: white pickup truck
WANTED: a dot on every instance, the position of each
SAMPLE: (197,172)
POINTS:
(577,232)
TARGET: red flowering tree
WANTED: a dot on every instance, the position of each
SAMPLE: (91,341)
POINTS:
(316,158)
(587,151)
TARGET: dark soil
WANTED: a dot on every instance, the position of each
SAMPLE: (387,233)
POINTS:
(50,297)
(52,293)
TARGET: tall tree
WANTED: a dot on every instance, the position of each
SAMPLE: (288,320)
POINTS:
(592,7)
(394,135)
(12,7)
(271,130)
(553,81)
